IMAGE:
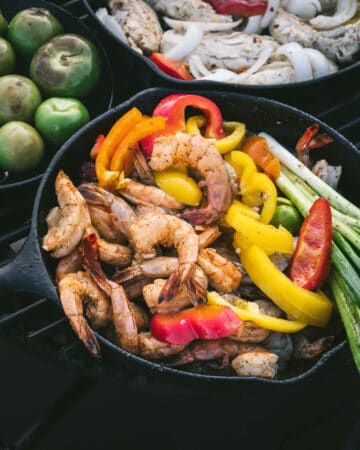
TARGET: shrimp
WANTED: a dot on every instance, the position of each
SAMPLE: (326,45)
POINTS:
(142,167)
(111,252)
(144,195)
(256,363)
(139,315)
(103,222)
(68,264)
(121,214)
(151,348)
(250,332)
(123,319)
(224,349)
(223,275)
(209,234)
(153,229)
(198,153)
(151,294)
(81,297)
(68,223)
(304,349)
(158,267)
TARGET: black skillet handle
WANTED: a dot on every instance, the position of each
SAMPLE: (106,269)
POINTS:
(27,273)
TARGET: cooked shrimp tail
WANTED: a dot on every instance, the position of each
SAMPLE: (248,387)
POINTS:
(87,336)
(181,275)
(198,216)
(124,320)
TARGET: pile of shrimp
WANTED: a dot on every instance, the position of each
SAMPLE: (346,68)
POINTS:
(125,255)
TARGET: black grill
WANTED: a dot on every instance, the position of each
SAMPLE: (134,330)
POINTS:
(37,327)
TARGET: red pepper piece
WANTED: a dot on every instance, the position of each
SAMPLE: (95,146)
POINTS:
(200,322)
(310,262)
(96,147)
(176,69)
(173,108)
(242,8)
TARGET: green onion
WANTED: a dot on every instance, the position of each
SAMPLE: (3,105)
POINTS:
(347,249)
(349,312)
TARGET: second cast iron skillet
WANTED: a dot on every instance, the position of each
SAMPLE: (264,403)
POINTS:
(33,269)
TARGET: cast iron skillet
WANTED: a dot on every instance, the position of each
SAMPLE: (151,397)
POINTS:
(149,75)
(99,100)
(33,269)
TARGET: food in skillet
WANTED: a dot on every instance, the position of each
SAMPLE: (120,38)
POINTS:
(177,246)
(41,113)
(239,41)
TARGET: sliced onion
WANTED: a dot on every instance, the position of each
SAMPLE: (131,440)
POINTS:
(305,9)
(319,63)
(197,67)
(271,10)
(253,25)
(200,72)
(111,24)
(262,59)
(345,10)
(181,25)
(299,60)
(187,44)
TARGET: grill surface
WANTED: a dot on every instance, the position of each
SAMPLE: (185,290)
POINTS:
(33,326)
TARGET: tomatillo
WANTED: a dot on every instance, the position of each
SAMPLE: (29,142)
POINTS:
(3,24)
(21,147)
(19,98)
(59,118)
(289,217)
(31,28)
(7,57)
(67,66)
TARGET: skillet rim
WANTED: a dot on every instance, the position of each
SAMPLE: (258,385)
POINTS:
(209,84)
(151,365)
(35,179)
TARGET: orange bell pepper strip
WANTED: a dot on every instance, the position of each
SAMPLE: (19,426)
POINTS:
(97,146)
(259,151)
(121,161)
(112,140)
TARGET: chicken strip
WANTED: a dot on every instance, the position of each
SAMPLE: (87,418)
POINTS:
(140,24)
(339,45)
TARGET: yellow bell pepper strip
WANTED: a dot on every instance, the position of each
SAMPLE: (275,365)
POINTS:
(258,149)
(260,190)
(243,165)
(305,306)
(225,144)
(232,141)
(250,231)
(249,311)
(177,184)
(245,209)
(117,133)
(145,127)
(194,123)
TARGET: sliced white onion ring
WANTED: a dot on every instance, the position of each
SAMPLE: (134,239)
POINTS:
(345,10)
(262,59)
(253,25)
(305,9)
(197,67)
(319,63)
(200,72)
(271,10)
(111,24)
(299,60)
(187,45)
(182,25)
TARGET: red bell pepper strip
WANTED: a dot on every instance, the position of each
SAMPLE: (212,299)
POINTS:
(96,147)
(173,108)
(310,261)
(176,69)
(200,322)
(242,8)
